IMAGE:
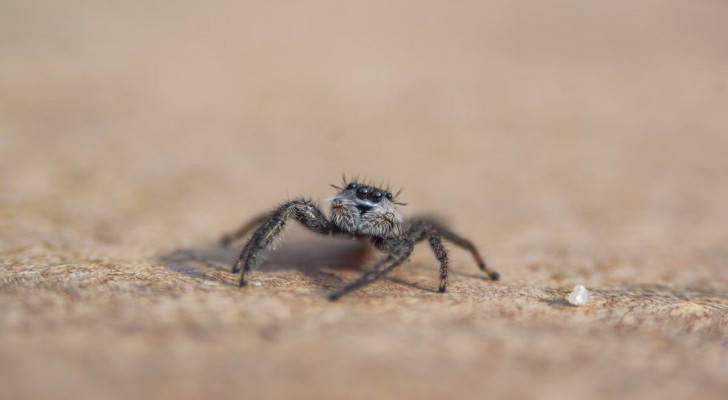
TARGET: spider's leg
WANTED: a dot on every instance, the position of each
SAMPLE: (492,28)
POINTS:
(459,241)
(466,244)
(441,254)
(243,254)
(378,270)
(420,230)
(226,240)
(304,211)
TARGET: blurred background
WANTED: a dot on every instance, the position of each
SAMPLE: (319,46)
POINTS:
(565,121)
(554,133)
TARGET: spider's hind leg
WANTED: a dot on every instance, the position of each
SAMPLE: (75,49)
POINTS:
(304,211)
(466,244)
(240,233)
(434,230)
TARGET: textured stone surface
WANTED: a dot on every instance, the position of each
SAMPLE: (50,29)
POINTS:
(575,143)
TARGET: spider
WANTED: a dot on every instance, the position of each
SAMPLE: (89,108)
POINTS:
(359,211)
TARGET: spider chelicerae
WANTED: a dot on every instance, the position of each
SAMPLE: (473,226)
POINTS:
(359,211)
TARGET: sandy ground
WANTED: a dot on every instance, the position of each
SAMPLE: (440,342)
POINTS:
(575,142)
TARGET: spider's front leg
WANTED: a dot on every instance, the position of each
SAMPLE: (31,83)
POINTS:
(399,249)
(304,211)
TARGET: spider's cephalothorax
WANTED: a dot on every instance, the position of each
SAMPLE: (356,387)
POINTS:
(362,210)
(359,211)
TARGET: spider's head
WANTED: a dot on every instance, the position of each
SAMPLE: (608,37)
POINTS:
(364,210)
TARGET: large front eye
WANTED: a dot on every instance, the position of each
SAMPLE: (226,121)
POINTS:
(362,193)
(376,196)
(352,186)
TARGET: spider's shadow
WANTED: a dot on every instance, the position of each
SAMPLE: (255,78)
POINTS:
(311,257)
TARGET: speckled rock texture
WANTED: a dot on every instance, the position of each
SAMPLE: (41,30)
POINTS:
(574,142)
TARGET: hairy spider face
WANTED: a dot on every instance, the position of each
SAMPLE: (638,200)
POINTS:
(364,210)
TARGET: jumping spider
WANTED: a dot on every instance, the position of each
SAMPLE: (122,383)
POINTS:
(358,211)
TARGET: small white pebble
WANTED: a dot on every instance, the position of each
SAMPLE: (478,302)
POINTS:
(257,284)
(579,296)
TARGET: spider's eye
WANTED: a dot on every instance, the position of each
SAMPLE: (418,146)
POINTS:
(362,192)
(352,186)
(389,196)
(376,196)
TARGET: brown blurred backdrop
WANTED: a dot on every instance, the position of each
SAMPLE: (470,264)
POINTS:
(614,114)
(560,135)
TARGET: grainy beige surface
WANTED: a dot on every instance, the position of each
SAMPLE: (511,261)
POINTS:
(576,142)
